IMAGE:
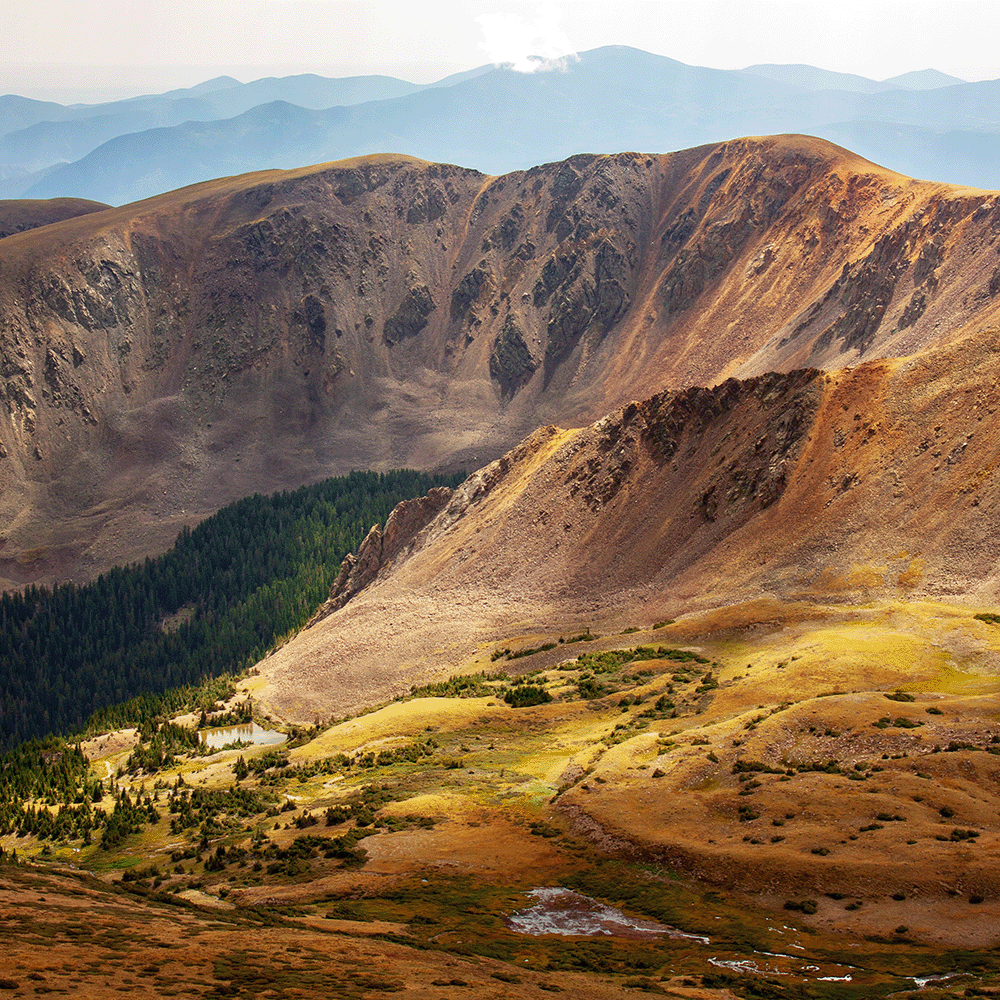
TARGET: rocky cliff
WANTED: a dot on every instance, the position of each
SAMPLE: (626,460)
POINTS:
(160,359)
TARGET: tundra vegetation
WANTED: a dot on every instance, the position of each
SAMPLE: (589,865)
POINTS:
(621,766)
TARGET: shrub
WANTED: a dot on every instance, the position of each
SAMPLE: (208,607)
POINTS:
(525,695)
(589,688)
(959,835)
(808,906)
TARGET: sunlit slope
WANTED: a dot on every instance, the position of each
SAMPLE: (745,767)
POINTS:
(877,481)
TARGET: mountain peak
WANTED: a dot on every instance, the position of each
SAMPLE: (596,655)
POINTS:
(924,79)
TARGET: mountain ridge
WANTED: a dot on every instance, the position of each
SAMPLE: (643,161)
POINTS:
(256,332)
(876,483)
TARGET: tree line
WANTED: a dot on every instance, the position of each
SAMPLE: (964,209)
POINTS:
(211,605)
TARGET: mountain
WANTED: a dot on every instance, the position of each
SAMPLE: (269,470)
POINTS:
(19,112)
(811,78)
(698,663)
(498,120)
(876,482)
(44,143)
(18,216)
(36,135)
(923,79)
(220,97)
(260,331)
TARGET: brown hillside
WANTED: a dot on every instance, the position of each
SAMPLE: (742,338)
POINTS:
(257,332)
(881,481)
(20,215)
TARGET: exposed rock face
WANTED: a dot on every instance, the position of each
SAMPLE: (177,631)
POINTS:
(467,293)
(253,333)
(410,316)
(380,549)
(511,362)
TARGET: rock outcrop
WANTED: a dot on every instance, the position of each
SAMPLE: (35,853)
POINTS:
(381,549)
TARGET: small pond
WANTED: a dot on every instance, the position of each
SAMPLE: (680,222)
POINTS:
(562,911)
(248,732)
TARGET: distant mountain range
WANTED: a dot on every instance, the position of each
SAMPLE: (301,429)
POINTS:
(924,124)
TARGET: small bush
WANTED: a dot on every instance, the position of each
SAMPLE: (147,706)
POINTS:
(959,835)
(809,906)
(526,695)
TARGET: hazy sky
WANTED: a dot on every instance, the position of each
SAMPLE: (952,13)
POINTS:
(70,50)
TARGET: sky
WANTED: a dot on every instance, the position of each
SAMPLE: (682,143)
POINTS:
(72,51)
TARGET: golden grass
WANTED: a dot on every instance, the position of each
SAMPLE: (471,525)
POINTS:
(602,796)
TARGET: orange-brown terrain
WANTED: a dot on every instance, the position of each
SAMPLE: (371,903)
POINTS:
(161,359)
(20,215)
(708,637)
(880,481)
(787,797)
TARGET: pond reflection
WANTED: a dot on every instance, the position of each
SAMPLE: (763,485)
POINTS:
(249,732)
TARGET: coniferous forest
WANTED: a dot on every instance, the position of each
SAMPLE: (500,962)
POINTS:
(213,604)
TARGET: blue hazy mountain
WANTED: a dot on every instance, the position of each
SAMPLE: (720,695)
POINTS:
(811,78)
(497,120)
(36,134)
(923,79)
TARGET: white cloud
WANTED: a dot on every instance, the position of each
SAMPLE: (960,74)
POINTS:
(526,46)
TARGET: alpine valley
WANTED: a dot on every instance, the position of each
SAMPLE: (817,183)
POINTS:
(686,685)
